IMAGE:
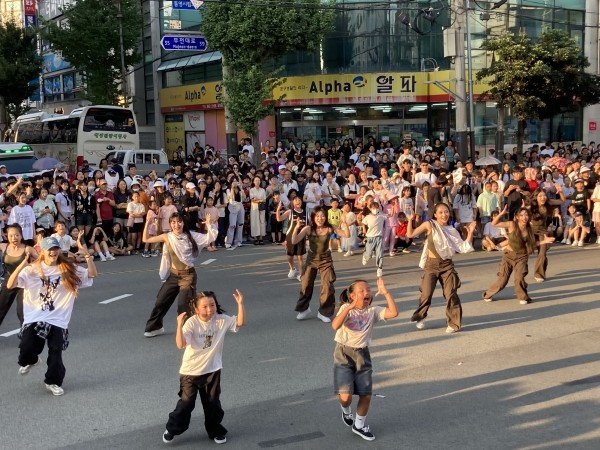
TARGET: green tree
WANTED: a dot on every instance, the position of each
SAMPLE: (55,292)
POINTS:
(538,80)
(90,42)
(19,65)
(251,34)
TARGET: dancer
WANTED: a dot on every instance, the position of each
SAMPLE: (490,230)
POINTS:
(319,259)
(296,217)
(441,244)
(352,368)
(375,223)
(14,252)
(202,337)
(180,252)
(542,212)
(50,285)
(521,243)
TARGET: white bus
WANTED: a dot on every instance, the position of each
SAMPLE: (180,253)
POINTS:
(87,133)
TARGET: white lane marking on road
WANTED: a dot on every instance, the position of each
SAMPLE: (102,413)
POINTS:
(114,299)
(207,262)
(10,333)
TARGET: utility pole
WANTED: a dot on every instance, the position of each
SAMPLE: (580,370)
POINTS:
(461,90)
(117,3)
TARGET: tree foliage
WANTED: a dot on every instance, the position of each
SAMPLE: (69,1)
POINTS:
(249,34)
(90,42)
(19,64)
(539,79)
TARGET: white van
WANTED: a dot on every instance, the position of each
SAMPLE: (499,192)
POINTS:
(144,160)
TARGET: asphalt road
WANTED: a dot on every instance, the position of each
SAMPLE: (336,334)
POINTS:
(516,377)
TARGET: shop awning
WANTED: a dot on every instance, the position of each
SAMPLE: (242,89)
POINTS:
(188,61)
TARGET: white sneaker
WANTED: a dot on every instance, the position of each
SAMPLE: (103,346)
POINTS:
(293,273)
(580,244)
(420,325)
(450,330)
(574,244)
(364,261)
(102,257)
(299,278)
(154,333)
(303,315)
(227,246)
(564,241)
(239,244)
(339,250)
(539,279)
(56,390)
(24,370)
(349,253)
(379,273)
(568,242)
(323,318)
(110,257)
(406,250)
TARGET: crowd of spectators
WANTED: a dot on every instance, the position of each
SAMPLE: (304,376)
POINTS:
(111,204)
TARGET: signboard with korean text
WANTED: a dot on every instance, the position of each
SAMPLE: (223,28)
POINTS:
(183,42)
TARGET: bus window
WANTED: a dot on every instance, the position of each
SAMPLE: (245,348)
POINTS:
(109,119)
(139,158)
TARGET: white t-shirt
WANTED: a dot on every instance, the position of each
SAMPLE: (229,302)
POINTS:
(24,216)
(48,301)
(466,211)
(492,231)
(358,327)
(204,350)
(65,242)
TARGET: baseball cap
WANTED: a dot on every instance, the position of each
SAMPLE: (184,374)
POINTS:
(584,169)
(2,165)
(49,242)
(578,180)
(158,183)
(190,186)
(39,230)
(578,213)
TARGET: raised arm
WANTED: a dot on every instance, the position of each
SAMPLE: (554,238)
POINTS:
(241,312)
(391,310)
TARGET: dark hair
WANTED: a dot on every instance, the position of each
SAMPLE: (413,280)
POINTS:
(186,231)
(202,294)
(313,214)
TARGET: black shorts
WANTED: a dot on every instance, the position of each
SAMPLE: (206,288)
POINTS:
(298,249)
(137,227)
(84,219)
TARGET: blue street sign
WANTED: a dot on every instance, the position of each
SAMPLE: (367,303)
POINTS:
(183,42)
(187,4)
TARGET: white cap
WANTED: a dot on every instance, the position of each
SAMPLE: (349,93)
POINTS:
(158,183)
(190,186)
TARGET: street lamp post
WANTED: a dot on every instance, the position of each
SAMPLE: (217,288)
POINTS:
(117,3)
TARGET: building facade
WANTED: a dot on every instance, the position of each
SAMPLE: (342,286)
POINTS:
(374,76)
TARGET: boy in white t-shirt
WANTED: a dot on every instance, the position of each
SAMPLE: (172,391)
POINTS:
(375,223)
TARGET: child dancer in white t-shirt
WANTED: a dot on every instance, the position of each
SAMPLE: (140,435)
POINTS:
(352,370)
(202,337)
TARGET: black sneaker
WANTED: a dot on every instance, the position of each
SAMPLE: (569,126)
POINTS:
(220,439)
(167,437)
(348,419)
(364,433)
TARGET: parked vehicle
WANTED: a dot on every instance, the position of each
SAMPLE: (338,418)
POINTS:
(84,134)
(144,160)
(18,159)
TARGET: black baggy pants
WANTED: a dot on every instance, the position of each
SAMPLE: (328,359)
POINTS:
(179,282)
(31,347)
(209,388)
(7,298)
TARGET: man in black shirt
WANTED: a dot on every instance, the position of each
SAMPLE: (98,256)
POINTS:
(515,191)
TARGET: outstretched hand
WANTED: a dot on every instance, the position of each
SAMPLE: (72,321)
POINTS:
(381,289)
(238,297)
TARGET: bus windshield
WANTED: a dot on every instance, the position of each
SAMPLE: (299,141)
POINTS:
(102,119)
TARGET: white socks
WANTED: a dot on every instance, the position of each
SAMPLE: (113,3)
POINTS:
(359,421)
(347,409)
